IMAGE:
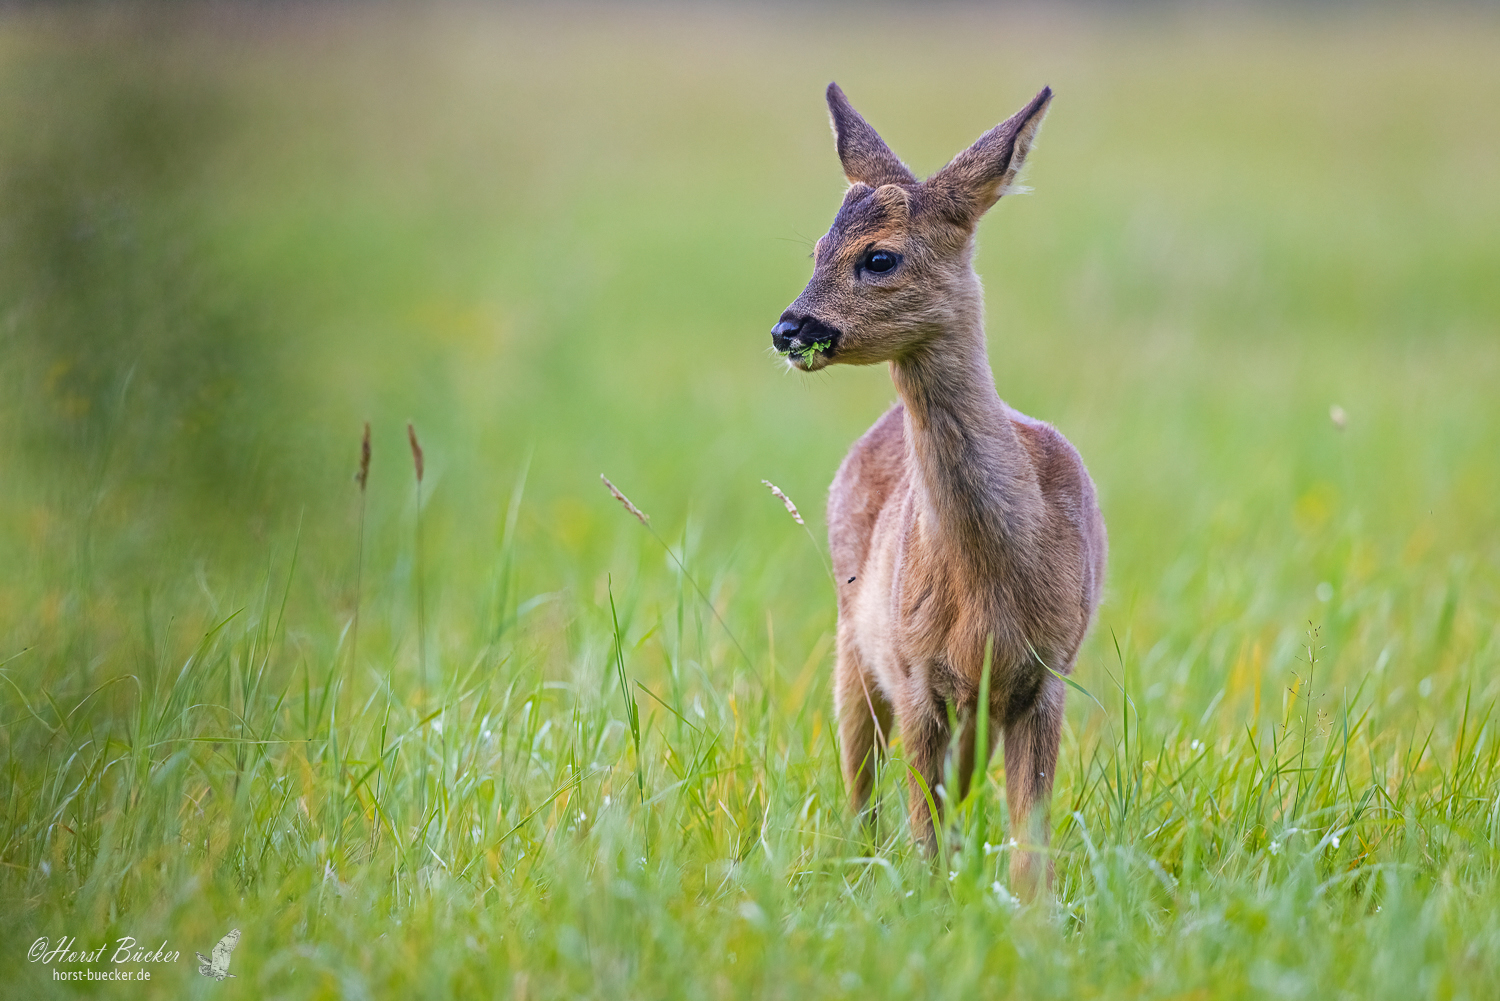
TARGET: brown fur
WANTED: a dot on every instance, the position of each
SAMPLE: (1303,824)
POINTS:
(962,521)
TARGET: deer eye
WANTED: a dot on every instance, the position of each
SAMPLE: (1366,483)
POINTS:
(880,261)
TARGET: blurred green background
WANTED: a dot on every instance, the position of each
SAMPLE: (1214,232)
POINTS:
(555,239)
(229,235)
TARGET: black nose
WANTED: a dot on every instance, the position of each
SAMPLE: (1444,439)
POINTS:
(796,333)
(784,334)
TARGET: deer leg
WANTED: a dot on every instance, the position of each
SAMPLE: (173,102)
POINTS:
(925,736)
(864,719)
(1031,742)
(944,760)
(964,765)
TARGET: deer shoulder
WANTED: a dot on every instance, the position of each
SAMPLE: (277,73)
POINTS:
(870,474)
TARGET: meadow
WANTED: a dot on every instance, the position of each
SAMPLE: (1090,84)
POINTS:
(488,735)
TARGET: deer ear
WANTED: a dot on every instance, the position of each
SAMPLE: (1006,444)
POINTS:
(865,156)
(978,176)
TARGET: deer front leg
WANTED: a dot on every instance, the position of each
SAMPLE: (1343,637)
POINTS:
(864,719)
(1031,741)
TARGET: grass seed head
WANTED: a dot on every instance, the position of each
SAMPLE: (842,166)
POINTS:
(791,508)
(416,449)
(615,492)
(363,475)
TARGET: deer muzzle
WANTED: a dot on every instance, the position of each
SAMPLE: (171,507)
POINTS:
(804,339)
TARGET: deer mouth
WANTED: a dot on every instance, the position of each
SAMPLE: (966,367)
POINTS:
(804,341)
(810,357)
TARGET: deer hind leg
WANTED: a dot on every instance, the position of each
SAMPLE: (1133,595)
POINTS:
(1031,742)
(864,719)
(965,766)
(946,764)
(925,735)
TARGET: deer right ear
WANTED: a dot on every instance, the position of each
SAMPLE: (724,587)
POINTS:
(977,177)
(865,156)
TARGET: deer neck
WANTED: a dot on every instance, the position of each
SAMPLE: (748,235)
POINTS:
(978,500)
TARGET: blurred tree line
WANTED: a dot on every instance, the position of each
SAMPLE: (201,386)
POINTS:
(130,354)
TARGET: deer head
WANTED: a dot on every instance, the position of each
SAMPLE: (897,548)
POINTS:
(893,274)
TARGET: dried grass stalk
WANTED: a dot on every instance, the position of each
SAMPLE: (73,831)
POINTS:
(791,508)
(416,449)
(363,475)
(615,491)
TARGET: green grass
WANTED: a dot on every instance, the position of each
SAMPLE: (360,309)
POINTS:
(569,756)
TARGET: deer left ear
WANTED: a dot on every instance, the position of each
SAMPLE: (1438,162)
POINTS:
(865,156)
(978,176)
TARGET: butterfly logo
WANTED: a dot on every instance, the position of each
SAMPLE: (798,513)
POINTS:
(218,966)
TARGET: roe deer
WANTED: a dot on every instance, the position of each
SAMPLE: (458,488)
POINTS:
(955,523)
